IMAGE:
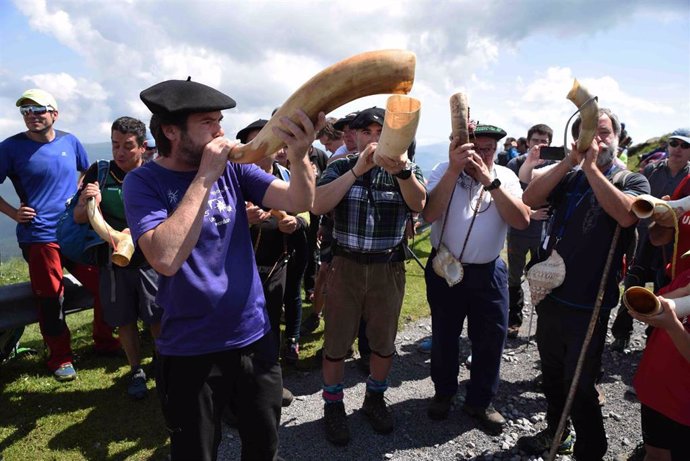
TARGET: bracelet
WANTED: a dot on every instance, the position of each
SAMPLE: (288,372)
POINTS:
(354,174)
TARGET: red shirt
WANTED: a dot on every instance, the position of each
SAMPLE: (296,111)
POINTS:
(662,380)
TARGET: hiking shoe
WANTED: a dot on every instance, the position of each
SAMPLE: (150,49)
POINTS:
(541,441)
(374,408)
(335,423)
(66,372)
(439,407)
(424,346)
(137,385)
(291,351)
(287,398)
(310,325)
(490,420)
(620,344)
(513,331)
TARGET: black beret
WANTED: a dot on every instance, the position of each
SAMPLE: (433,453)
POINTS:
(345,121)
(184,96)
(367,117)
(244,132)
(489,131)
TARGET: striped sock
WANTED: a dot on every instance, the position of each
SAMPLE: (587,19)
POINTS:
(376,386)
(332,393)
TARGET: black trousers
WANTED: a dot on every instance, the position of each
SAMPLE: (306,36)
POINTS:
(194,390)
(561,329)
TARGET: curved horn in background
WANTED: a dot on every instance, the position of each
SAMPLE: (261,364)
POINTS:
(589,113)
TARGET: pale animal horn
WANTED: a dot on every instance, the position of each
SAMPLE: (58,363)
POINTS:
(399,127)
(459,117)
(365,74)
(589,113)
(124,246)
(660,211)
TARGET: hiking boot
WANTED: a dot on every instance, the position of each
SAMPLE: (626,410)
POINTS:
(490,420)
(291,351)
(439,407)
(374,408)
(620,344)
(513,331)
(540,442)
(310,325)
(137,385)
(66,372)
(335,423)
(424,346)
(287,398)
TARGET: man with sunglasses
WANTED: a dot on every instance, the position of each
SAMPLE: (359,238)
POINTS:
(40,162)
(649,262)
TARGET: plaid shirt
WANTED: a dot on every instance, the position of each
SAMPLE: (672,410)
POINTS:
(371,216)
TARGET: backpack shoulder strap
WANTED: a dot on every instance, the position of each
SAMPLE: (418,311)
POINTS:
(103,170)
(619,177)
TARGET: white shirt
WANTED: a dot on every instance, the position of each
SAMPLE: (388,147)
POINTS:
(489,230)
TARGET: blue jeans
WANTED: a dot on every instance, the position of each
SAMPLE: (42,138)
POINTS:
(482,297)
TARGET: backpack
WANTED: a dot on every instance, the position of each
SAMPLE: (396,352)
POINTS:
(78,242)
(9,343)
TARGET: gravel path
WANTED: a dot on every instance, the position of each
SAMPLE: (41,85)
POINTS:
(416,437)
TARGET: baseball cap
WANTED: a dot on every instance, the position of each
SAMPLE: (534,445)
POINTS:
(681,133)
(368,116)
(345,121)
(38,96)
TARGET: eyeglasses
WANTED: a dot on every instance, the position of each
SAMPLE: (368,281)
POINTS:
(36,110)
(676,143)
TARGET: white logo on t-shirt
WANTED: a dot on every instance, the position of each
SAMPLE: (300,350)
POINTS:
(172,196)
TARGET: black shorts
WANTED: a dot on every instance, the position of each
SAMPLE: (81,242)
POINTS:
(662,432)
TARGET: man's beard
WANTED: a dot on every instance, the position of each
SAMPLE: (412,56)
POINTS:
(190,153)
(607,153)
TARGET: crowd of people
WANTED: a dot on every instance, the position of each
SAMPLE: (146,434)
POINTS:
(223,251)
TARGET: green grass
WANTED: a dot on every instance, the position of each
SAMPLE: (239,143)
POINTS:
(92,418)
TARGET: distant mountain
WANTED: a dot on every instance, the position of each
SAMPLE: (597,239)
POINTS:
(428,156)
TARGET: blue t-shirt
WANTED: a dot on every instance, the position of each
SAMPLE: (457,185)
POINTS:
(215,301)
(43,175)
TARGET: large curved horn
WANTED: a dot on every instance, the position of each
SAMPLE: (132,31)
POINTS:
(589,113)
(399,127)
(124,246)
(374,72)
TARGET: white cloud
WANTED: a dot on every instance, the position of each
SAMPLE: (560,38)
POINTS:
(259,52)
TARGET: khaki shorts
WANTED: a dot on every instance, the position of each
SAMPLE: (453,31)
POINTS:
(372,291)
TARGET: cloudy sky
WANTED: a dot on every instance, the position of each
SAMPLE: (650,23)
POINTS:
(515,60)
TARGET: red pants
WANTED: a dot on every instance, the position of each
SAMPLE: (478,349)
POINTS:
(45,271)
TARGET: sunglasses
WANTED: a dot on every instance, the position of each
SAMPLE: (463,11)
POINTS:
(36,110)
(676,143)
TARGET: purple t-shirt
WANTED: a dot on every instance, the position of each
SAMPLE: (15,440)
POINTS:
(215,301)
(44,177)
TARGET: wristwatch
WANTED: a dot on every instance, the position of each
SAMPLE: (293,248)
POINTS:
(405,173)
(495,184)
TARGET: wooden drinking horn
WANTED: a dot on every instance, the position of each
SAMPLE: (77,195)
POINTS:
(399,127)
(124,246)
(365,74)
(589,113)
